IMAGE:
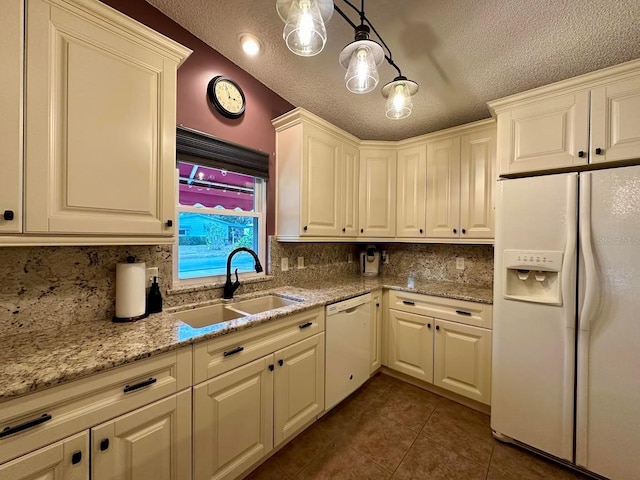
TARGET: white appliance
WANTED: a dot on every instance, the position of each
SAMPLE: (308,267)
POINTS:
(347,347)
(370,261)
(567,318)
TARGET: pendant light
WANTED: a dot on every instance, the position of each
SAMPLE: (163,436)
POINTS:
(398,94)
(361,59)
(304,31)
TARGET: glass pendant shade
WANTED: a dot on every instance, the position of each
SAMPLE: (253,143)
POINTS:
(304,31)
(362,73)
(399,104)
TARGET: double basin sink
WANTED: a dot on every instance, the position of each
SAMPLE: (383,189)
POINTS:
(223,312)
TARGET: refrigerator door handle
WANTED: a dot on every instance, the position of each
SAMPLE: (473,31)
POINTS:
(591,274)
(568,271)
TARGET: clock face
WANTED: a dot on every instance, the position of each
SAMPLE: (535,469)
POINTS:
(226,96)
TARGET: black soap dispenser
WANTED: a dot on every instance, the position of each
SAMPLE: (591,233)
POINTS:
(154,299)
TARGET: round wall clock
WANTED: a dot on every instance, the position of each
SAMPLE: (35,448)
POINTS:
(226,96)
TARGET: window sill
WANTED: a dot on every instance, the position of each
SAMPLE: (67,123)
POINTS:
(199,287)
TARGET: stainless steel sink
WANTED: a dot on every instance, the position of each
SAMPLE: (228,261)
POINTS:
(262,304)
(209,315)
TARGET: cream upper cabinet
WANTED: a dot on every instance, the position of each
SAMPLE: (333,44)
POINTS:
(377,191)
(150,443)
(477,181)
(443,188)
(100,93)
(67,459)
(317,189)
(11,39)
(411,191)
(589,119)
(460,180)
(462,360)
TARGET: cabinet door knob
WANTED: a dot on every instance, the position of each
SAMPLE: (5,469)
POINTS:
(464,231)
(304,228)
(76,457)
(377,304)
(271,367)
(581,153)
(420,230)
(362,230)
(104,444)
(599,151)
(428,325)
(455,231)
(344,230)
(437,327)
(8,215)
(280,362)
(169,223)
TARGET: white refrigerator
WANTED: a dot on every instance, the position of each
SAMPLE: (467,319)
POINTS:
(566,338)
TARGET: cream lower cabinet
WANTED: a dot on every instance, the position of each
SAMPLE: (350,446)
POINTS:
(150,443)
(375,338)
(99,128)
(453,355)
(242,413)
(67,459)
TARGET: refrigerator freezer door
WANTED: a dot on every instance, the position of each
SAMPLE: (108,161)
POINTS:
(608,369)
(534,343)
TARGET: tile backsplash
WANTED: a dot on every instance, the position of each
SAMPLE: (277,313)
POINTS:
(50,287)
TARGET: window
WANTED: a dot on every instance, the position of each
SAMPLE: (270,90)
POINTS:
(218,211)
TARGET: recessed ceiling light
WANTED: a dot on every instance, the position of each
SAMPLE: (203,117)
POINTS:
(250,44)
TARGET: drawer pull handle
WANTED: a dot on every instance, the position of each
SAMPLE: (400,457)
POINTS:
(76,457)
(137,386)
(104,444)
(233,351)
(45,417)
(407,302)
(462,312)
(305,325)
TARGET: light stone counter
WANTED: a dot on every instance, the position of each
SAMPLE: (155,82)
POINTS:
(30,362)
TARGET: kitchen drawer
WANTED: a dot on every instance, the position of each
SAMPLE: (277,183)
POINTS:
(67,409)
(461,311)
(225,353)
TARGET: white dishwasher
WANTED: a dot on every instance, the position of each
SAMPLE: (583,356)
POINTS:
(347,352)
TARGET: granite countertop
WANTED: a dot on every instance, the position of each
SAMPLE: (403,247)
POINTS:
(31,362)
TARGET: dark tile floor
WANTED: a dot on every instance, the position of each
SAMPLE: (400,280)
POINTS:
(390,429)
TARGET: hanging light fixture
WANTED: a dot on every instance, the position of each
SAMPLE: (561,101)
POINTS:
(304,30)
(305,35)
(399,93)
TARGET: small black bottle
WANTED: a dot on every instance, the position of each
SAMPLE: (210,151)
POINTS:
(154,298)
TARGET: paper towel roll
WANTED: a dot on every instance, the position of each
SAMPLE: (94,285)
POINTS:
(130,291)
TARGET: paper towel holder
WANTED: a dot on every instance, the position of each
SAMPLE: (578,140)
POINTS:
(145,314)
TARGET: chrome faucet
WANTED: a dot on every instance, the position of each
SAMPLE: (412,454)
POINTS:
(229,287)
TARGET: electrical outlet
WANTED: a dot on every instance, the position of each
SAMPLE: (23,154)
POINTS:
(151,272)
(300,262)
(284,264)
(349,257)
(459,263)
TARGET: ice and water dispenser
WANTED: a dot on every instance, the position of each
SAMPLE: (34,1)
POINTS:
(533,276)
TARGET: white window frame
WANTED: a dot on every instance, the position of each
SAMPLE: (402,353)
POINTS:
(260,212)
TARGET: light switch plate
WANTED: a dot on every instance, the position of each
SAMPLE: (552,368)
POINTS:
(284,264)
(300,262)
(459,263)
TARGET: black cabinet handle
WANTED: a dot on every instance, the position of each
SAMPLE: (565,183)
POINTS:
(305,325)
(464,231)
(437,327)
(169,223)
(455,231)
(137,386)
(344,230)
(599,151)
(76,457)
(305,228)
(420,230)
(581,153)
(271,367)
(233,351)
(45,417)
(462,312)
(407,302)
(8,215)
(377,304)
(428,325)
(362,230)
(104,444)
(280,362)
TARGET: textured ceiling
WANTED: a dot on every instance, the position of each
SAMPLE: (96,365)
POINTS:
(462,53)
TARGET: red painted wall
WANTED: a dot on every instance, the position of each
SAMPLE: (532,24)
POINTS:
(254,129)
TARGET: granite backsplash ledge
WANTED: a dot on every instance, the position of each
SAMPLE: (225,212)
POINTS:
(51,287)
